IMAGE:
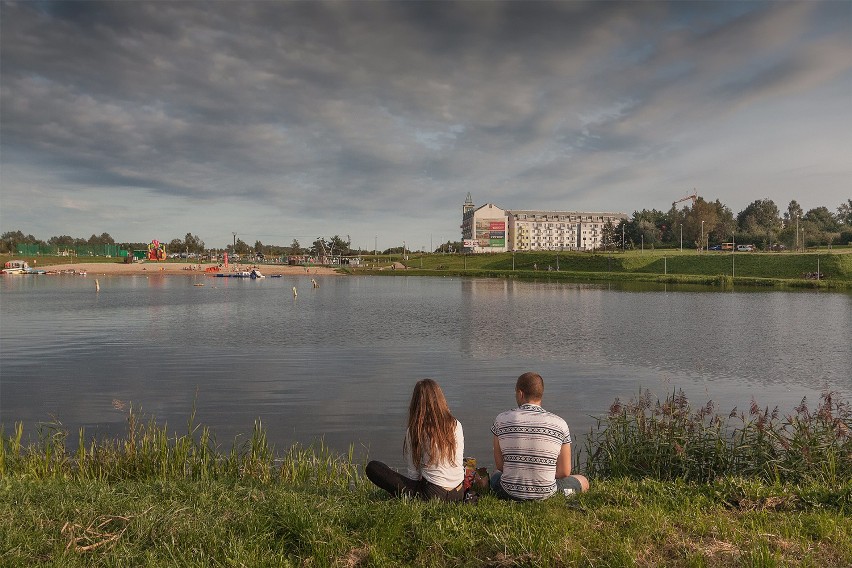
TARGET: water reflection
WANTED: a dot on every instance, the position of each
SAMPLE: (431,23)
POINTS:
(339,361)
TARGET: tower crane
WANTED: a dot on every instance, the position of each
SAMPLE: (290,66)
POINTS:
(693,197)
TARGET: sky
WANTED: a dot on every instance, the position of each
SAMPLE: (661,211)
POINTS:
(373,120)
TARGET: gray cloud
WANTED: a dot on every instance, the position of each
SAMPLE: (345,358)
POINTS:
(342,116)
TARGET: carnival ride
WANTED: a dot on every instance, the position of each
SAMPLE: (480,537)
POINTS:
(156,251)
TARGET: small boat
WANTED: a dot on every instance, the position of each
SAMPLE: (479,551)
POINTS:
(199,284)
(253,274)
(16,267)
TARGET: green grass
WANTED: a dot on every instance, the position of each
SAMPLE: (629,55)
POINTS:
(70,523)
(669,266)
(156,498)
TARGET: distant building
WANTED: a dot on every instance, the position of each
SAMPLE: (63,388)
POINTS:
(491,229)
(484,228)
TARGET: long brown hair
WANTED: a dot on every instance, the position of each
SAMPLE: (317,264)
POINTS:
(431,426)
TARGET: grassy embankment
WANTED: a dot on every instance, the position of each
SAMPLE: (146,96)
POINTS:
(672,486)
(663,266)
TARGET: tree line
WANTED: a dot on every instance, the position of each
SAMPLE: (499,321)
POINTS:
(705,223)
(702,224)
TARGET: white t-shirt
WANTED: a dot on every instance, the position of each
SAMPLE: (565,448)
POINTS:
(531,439)
(446,475)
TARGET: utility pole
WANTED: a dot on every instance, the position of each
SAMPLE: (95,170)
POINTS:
(235,240)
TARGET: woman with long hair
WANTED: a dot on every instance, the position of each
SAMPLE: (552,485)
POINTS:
(433,448)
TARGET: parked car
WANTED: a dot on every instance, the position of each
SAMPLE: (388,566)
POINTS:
(745,248)
(715,247)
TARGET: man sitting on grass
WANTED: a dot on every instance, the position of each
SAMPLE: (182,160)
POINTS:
(532,448)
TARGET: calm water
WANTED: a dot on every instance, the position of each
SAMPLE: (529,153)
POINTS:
(339,362)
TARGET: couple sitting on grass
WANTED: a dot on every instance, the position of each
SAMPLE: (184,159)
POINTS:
(532,449)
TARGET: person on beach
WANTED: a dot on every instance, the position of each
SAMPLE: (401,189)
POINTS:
(433,448)
(532,448)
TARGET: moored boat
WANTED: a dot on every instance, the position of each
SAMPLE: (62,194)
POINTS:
(15,267)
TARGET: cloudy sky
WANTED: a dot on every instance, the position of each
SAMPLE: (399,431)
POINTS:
(282,120)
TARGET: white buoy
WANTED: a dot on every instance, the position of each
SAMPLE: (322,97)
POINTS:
(97,286)
(294,292)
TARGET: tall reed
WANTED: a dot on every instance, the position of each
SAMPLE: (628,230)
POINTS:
(148,451)
(669,440)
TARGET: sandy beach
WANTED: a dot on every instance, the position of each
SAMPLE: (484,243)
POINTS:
(182,269)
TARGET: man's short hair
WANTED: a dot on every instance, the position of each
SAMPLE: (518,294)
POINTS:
(532,385)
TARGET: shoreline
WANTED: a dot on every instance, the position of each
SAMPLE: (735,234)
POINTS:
(184,269)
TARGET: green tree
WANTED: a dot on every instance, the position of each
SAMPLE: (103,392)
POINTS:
(760,222)
(318,247)
(821,219)
(193,244)
(337,246)
(241,248)
(793,211)
(760,216)
(649,227)
(449,246)
(176,245)
(10,240)
(844,213)
(608,236)
(61,242)
(295,247)
(820,226)
(258,247)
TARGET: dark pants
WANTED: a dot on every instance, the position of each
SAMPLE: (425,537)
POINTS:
(398,485)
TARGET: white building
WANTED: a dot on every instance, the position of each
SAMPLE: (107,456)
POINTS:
(532,230)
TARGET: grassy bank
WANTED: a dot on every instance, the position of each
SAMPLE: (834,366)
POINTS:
(59,522)
(675,267)
(672,486)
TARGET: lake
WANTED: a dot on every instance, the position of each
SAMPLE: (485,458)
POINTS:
(338,362)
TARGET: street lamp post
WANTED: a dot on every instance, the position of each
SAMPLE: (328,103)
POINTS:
(733,252)
(701,244)
(797,231)
(623,224)
(681,237)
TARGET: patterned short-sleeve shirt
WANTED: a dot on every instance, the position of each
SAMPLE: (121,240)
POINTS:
(530,439)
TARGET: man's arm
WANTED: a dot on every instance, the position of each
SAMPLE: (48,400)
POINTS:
(498,455)
(563,462)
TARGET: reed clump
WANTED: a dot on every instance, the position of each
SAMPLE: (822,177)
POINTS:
(150,452)
(669,439)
